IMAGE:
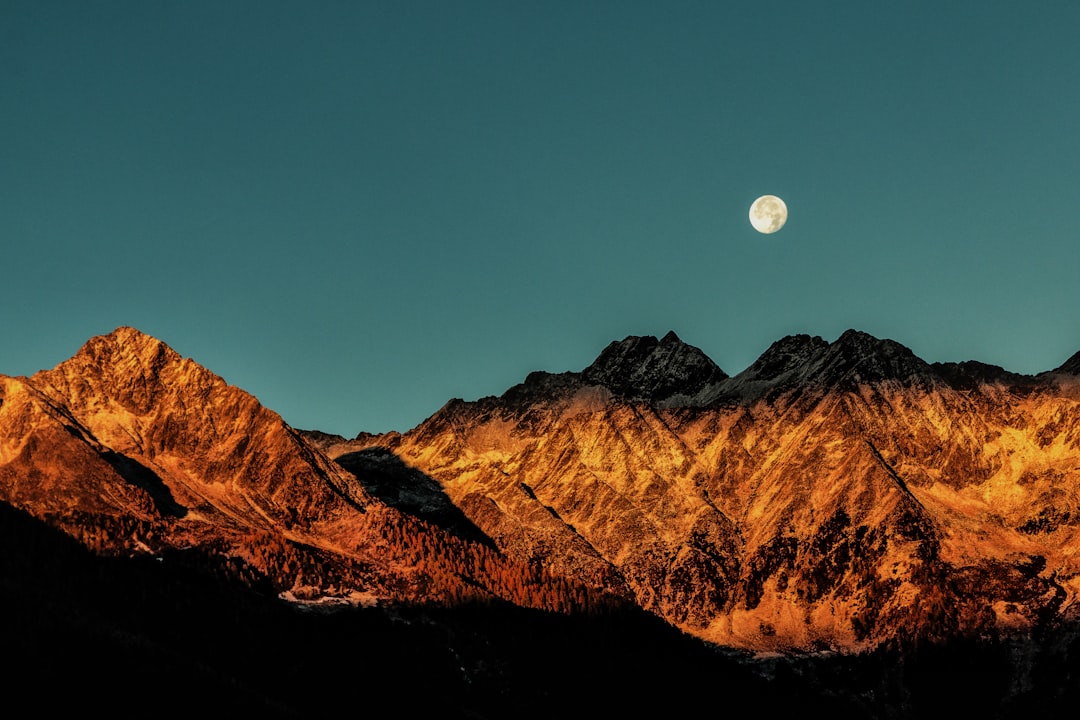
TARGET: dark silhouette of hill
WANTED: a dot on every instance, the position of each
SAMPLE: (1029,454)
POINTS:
(194,633)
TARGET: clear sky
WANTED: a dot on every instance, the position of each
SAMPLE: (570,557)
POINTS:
(359,210)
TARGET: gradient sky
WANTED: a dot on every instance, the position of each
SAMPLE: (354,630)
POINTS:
(359,210)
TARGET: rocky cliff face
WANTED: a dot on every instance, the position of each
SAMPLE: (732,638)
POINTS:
(134,449)
(840,495)
(216,450)
(834,495)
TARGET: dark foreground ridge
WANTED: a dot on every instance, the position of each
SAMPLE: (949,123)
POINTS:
(189,633)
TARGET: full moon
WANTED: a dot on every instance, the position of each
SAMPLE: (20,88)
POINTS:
(768,214)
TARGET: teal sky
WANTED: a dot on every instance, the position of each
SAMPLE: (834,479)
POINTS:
(359,210)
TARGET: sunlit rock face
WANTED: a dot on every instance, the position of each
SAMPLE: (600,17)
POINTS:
(171,429)
(134,449)
(832,495)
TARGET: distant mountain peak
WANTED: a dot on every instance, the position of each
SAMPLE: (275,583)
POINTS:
(125,346)
(859,343)
(1070,366)
(785,356)
(644,367)
(971,374)
(860,357)
(670,338)
(129,337)
(126,333)
(853,358)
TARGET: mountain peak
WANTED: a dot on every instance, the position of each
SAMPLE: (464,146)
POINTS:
(127,334)
(786,355)
(644,367)
(860,357)
(1070,366)
(670,339)
(128,366)
(125,343)
(854,357)
(125,352)
(859,342)
(139,404)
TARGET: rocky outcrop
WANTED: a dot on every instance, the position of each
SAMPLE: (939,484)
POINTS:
(1070,366)
(651,369)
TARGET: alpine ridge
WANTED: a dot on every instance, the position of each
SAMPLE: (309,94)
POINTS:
(133,449)
(833,497)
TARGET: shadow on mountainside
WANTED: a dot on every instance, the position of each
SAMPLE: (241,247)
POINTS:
(392,480)
(143,477)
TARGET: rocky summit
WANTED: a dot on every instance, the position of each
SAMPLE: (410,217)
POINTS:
(833,497)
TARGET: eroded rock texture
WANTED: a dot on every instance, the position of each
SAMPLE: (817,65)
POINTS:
(835,495)
(840,495)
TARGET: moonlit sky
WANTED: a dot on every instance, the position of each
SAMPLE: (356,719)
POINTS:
(359,210)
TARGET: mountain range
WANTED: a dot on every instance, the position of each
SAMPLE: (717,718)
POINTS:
(831,502)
